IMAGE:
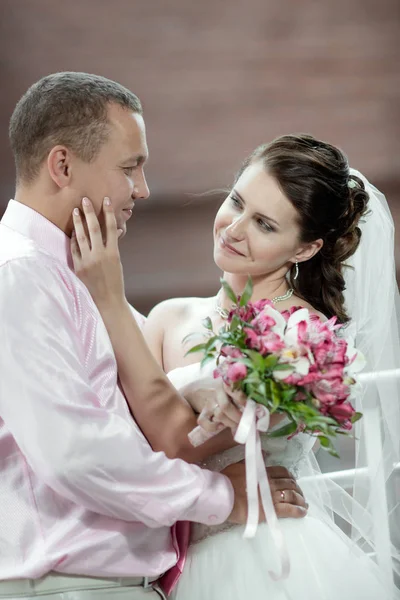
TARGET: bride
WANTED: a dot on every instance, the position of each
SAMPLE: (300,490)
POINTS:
(313,233)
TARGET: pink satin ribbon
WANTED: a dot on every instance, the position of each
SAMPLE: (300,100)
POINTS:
(256,418)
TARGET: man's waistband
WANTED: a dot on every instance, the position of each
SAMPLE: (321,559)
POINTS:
(56,582)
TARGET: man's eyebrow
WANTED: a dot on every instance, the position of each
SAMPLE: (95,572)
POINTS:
(135,158)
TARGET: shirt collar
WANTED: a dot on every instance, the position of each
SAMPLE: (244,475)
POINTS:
(44,233)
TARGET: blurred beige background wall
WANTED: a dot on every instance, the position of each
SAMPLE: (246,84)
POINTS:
(216,79)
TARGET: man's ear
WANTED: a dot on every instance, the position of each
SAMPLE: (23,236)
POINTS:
(307,251)
(59,165)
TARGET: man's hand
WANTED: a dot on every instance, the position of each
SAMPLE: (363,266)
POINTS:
(288,498)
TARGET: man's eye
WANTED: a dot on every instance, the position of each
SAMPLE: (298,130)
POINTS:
(128,170)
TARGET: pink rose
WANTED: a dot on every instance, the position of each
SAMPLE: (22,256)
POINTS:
(263,322)
(252,339)
(261,304)
(217,373)
(270,343)
(302,332)
(236,372)
(339,352)
(342,412)
(245,313)
(231,351)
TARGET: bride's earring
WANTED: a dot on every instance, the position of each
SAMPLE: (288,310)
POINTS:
(296,270)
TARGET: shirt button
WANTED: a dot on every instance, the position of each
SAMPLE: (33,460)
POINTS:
(212,518)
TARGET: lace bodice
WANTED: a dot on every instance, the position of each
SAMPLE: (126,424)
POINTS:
(280,451)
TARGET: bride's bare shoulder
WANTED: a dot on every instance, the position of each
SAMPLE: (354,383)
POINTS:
(297,301)
(180,308)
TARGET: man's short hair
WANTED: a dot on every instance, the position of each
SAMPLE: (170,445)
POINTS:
(69,109)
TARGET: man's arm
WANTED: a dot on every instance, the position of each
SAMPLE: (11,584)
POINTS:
(84,448)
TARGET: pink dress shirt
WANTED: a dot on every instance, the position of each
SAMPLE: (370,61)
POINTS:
(81,491)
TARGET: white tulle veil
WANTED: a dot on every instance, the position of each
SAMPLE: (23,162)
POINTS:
(365,499)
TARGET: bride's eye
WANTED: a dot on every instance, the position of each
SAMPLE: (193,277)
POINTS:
(264,225)
(236,202)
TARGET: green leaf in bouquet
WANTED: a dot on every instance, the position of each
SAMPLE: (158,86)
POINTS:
(282,367)
(208,358)
(245,361)
(247,293)
(235,323)
(288,394)
(259,398)
(275,403)
(229,291)
(324,441)
(275,392)
(343,432)
(327,420)
(207,323)
(198,348)
(326,444)
(268,391)
(270,362)
(286,430)
(226,337)
(262,389)
(319,427)
(253,378)
(211,344)
(257,359)
(305,410)
(190,336)
(356,417)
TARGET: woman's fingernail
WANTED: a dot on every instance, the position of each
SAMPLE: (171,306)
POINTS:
(107,201)
(120,232)
(76,212)
(85,202)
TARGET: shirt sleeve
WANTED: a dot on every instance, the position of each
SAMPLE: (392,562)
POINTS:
(86,452)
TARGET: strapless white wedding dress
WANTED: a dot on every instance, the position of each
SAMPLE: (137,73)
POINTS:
(324,563)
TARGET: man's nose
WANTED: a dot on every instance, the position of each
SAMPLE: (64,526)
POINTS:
(140,188)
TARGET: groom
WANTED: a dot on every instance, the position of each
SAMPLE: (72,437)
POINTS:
(87,508)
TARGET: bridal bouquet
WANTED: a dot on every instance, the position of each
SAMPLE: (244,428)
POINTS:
(290,362)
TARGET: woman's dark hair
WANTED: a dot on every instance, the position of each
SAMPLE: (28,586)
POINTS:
(329,201)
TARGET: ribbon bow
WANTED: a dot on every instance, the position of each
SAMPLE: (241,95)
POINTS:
(256,418)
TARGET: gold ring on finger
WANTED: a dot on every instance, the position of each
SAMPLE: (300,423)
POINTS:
(283,496)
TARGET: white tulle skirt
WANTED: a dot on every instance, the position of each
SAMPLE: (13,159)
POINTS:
(325,565)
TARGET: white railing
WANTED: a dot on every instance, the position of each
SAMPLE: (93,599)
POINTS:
(375,471)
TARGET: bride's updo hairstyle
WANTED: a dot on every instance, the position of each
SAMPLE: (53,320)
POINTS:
(314,176)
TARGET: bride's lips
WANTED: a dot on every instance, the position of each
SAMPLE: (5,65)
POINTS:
(228,248)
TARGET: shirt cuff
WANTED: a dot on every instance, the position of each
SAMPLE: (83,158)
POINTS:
(215,503)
